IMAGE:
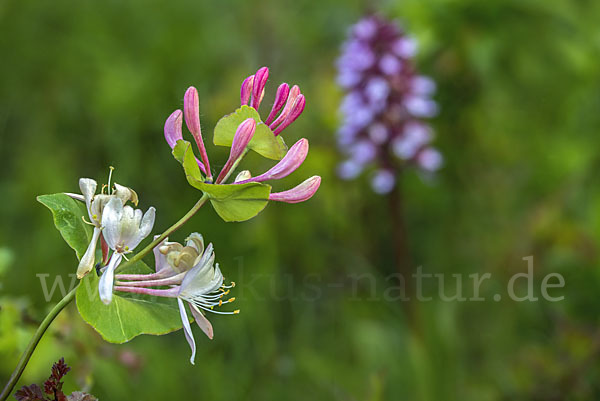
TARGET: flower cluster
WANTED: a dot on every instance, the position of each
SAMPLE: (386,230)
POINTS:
(192,276)
(385,105)
(188,273)
(288,105)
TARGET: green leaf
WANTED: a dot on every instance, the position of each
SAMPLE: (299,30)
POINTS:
(67,214)
(128,315)
(264,142)
(237,202)
(185,155)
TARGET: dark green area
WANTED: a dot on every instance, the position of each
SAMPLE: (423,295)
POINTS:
(88,84)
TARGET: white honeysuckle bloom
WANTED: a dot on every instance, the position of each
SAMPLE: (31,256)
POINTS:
(123,228)
(202,287)
(95,204)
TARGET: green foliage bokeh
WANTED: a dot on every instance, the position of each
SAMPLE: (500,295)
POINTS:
(85,85)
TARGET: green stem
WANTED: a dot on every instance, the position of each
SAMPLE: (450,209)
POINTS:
(71,295)
(34,342)
(138,256)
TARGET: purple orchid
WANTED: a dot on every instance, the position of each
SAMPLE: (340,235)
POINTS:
(385,106)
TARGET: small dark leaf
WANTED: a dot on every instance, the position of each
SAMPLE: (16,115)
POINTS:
(30,393)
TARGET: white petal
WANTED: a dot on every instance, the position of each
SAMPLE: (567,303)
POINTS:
(86,264)
(143,228)
(88,189)
(75,196)
(105,286)
(199,277)
(189,336)
(147,222)
(111,222)
(202,321)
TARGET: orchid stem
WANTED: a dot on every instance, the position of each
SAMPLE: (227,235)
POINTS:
(34,342)
(71,295)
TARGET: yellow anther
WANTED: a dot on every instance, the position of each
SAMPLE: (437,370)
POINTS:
(231,299)
(235,312)
(95,217)
(233,284)
(220,302)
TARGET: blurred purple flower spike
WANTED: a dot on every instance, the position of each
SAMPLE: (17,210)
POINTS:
(385,105)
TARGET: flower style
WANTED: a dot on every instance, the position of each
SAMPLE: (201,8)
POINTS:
(385,105)
(123,229)
(193,277)
(95,204)
(289,103)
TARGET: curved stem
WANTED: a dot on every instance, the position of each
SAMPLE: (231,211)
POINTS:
(138,256)
(71,295)
(34,342)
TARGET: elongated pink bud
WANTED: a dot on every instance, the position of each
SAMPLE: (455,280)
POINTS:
(173,132)
(258,90)
(246,90)
(300,193)
(297,109)
(243,136)
(282,94)
(292,160)
(294,93)
(173,128)
(191,111)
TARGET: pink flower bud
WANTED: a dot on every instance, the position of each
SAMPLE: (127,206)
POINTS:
(260,81)
(173,132)
(294,93)
(292,160)
(243,136)
(299,193)
(246,90)
(297,109)
(191,110)
(173,128)
(282,94)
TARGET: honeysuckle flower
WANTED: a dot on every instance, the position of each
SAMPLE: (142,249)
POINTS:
(200,285)
(95,204)
(288,106)
(385,106)
(290,100)
(123,229)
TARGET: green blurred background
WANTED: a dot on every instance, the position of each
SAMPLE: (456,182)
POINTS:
(86,84)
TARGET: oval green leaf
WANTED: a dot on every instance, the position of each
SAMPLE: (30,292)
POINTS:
(232,202)
(128,315)
(68,218)
(264,142)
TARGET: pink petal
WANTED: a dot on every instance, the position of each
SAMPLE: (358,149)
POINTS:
(282,94)
(291,161)
(191,110)
(173,128)
(297,109)
(260,81)
(242,137)
(202,321)
(294,93)
(246,90)
(299,193)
